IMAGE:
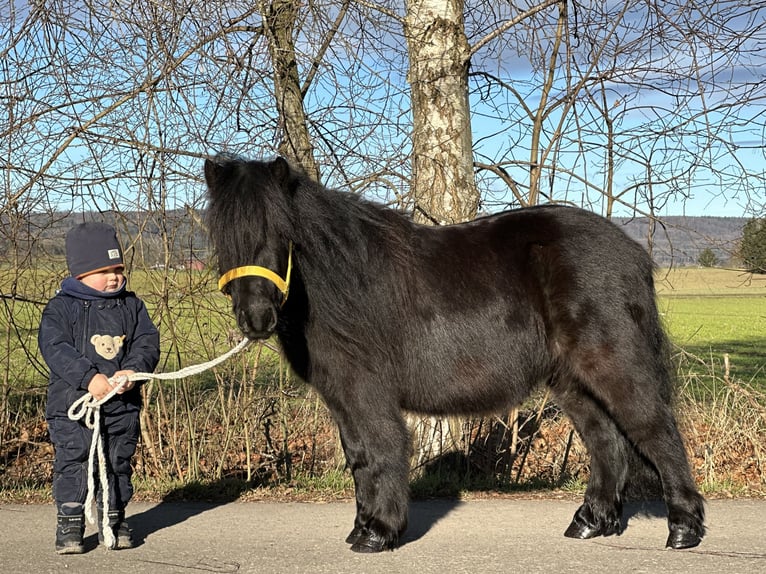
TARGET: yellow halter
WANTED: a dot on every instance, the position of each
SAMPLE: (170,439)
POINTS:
(257,271)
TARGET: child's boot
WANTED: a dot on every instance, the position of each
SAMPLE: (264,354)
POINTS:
(123,535)
(70,527)
(122,531)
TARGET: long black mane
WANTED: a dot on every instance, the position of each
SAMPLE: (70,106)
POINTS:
(344,246)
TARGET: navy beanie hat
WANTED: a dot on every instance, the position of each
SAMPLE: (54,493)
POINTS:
(92,247)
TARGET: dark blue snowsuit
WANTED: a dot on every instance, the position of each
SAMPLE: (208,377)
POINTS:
(84,332)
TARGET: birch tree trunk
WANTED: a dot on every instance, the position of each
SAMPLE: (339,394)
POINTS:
(443,183)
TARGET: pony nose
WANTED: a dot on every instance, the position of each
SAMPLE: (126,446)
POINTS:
(257,322)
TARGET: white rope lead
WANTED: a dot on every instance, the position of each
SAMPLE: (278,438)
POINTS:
(89,409)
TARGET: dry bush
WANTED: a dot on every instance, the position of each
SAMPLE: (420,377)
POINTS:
(724,423)
(252,422)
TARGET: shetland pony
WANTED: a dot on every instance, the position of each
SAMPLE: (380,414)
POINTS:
(382,315)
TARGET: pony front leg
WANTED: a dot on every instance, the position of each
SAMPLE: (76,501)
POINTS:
(377,452)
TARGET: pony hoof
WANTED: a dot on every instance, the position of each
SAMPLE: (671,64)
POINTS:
(354,535)
(583,526)
(581,530)
(682,537)
(369,543)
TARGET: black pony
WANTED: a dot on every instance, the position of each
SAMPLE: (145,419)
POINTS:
(385,315)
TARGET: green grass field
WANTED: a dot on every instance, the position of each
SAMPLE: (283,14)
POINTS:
(710,313)
(237,423)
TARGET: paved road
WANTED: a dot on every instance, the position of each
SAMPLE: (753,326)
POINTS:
(445,537)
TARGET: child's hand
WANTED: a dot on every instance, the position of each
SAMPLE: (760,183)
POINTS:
(128,384)
(99,386)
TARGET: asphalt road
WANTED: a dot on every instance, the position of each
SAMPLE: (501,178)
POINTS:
(445,537)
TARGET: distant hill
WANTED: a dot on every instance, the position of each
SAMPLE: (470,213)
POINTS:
(676,240)
(680,240)
(177,229)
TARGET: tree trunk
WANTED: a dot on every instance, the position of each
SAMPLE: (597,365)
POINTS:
(443,183)
(279,18)
(443,186)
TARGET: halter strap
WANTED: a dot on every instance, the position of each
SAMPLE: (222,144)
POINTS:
(257,271)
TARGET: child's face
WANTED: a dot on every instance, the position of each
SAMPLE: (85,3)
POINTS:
(108,280)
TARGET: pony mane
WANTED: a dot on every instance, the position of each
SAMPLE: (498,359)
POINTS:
(245,205)
(350,250)
(346,248)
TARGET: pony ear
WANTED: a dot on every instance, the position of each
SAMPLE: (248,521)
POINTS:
(211,173)
(280,169)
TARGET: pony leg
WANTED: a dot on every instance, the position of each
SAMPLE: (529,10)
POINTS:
(601,511)
(377,449)
(658,439)
(633,400)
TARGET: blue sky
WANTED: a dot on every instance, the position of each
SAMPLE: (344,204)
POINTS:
(711,156)
(348,86)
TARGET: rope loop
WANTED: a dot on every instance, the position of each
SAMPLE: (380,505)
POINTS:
(88,409)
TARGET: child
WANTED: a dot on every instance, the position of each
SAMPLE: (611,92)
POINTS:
(94,329)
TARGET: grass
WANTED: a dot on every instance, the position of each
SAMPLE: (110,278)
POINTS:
(709,281)
(333,484)
(712,314)
(210,421)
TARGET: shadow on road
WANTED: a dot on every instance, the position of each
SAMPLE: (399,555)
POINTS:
(166,515)
(423,516)
(176,508)
(643,509)
(182,504)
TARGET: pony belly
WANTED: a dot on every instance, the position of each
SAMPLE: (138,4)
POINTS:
(467,395)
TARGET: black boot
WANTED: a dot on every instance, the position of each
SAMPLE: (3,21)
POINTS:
(123,535)
(70,527)
(122,531)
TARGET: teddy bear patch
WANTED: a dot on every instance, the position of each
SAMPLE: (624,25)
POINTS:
(107,346)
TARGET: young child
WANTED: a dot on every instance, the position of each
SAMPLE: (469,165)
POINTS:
(94,329)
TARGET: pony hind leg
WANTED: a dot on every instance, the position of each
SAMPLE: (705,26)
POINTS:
(633,394)
(657,438)
(601,511)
